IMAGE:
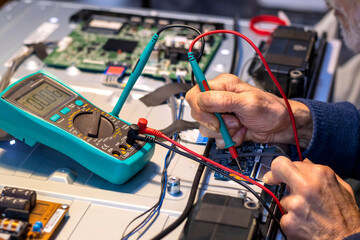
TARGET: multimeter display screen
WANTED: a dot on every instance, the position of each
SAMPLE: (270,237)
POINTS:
(43,98)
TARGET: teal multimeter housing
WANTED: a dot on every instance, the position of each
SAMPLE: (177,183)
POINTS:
(41,108)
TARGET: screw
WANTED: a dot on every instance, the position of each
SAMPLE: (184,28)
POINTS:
(173,185)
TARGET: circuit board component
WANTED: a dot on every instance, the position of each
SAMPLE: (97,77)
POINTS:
(25,217)
(254,159)
(104,39)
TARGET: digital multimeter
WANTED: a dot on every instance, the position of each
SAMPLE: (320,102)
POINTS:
(41,108)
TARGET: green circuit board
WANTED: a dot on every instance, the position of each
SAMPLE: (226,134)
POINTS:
(99,42)
(254,159)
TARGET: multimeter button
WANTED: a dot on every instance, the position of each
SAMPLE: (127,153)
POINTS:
(79,102)
(65,110)
(55,117)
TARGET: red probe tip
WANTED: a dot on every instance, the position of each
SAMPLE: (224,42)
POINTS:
(233,152)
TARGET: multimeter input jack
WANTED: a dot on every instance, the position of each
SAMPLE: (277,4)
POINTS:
(133,135)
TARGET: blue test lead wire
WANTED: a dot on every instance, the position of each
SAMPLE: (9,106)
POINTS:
(144,57)
(204,86)
(154,215)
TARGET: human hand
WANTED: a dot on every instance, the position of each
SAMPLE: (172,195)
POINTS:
(320,204)
(256,115)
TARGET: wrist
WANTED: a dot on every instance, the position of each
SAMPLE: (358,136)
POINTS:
(303,121)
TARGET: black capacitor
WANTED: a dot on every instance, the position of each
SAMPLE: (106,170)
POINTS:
(18,214)
(11,202)
(27,194)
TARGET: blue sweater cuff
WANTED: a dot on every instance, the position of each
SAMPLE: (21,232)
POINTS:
(355,236)
(336,136)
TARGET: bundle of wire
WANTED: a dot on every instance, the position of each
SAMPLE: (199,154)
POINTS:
(15,63)
(153,132)
(154,211)
(229,173)
(157,133)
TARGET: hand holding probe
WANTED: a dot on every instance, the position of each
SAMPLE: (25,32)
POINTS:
(204,86)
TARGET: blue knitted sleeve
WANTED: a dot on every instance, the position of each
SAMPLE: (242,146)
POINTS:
(355,236)
(336,137)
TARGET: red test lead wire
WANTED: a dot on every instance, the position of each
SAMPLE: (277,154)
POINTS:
(265,19)
(268,70)
(150,131)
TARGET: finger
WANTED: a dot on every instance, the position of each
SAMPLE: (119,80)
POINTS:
(345,185)
(220,143)
(204,118)
(296,204)
(205,132)
(231,121)
(305,165)
(238,138)
(284,202)
(225,82)
(283,170)
(191,95)
(289,224)
(306,160)
(230,83)
(222,102)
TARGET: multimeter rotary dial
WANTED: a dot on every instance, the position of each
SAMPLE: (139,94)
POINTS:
(93,124)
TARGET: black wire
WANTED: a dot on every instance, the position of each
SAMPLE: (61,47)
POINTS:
(191,199)
(202,43)
(152,209)
(235,56)
(158,212)
(189,27)
(188,206)
(168,159)
(15,63)
(227,175)
(163,188)
(193,78)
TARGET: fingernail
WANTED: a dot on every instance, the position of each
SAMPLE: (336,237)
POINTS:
(211,127)
(265,179)
(233,124)
(220,143)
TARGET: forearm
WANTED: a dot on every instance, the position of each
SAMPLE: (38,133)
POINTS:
(303,122)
